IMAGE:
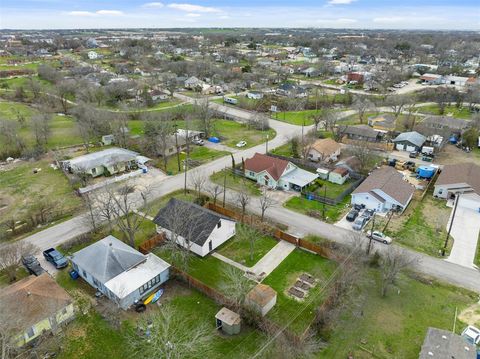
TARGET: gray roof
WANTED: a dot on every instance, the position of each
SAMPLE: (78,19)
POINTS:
(195,223)
(107,258)
(360,130)
(443,344)
(106,158)
(413,137)
(441,122)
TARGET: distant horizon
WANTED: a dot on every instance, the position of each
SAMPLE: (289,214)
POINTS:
(430,15)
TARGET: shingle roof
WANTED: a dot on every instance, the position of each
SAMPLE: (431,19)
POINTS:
(195,223)
(461,173)
(413,137)
(390,181)
(445,122)
(326,146)
(259,162)
(360,130)
(107,258)
(32,299)
(441,344)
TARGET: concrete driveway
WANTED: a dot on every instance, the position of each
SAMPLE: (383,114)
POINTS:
(465,229)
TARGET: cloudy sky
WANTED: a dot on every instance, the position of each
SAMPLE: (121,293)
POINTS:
(385,14)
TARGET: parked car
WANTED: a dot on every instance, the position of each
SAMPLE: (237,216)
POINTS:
(359,223)
(55,257)
(352,215)
(427,159)
(379,236)
(358,207)
(241,144)
(198,142)
(413,154)
(32,264)
(368,213)
(472,334)
(409,165)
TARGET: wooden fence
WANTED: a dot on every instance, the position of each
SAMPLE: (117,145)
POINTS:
(147,246)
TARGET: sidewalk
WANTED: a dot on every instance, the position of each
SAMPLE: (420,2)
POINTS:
(272,259)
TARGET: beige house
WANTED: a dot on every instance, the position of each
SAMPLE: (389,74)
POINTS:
(324,150)
(261,298)
(33,306)
(339,175)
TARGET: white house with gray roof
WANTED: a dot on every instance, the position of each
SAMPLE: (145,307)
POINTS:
(120,272)
(409,141)
(196,228)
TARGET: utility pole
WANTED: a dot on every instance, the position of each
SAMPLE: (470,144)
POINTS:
(370,237)
(388,221)
(186,164)
(176,145)
(451,224)
(224,185)
(266,145)
(324,199)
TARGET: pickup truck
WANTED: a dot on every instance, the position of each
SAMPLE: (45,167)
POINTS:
(55,257)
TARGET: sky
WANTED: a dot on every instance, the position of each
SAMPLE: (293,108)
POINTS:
(360,14)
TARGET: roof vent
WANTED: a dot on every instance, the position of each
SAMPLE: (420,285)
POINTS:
(467,349)
(430,354)
(110,244)
(444,337)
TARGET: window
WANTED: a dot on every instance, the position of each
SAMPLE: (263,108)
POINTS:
(440,191)
(84,273)
(30,332)
(252,173)
(219,224)
(95,281)
(94,171)
(151,283)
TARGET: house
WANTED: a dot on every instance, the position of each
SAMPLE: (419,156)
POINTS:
(193,83)
(277,173)
(383,123)
(92,55)
(120,272)
(255,95)
(228,321)
(459,178)
(108,162)
(409,141)
(194,227)
(442,125)
(324,150)
(361,133)
(291,90)
(352,164)
(431,79)
(443,344)
(33,306)
(383,190)
(261,298)
(338,175)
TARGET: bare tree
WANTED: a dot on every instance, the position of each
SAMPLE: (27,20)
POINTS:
(397,103)
(214,190)
(65,91)
(243,198)
(11,256)
(105,204)
(392,263)
(362,106)
(266,201)
(198,181)
(166,335)
(365,155)
(158,137)
(205,114)
(235,284)
(41,128)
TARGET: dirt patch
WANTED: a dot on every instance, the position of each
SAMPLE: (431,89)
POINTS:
(471,315)
(454,155)
(5,201)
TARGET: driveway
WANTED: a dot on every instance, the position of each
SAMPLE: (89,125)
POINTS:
(465,229)
(272,259)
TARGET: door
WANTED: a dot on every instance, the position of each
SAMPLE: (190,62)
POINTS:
(219,324)
(210,246)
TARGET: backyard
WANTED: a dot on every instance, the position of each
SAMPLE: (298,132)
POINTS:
(231,132)
(331,190)
(198,154)
(235,182)
(454,111)
(315,209)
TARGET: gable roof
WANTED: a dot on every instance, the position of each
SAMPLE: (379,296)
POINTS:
(460,173)
(360,130)
(352,163)
(440,122)
(413,137)
(107,258)
(259,162)
(390,181)
(196,223)
(32,299)
(326,146)
(105,158)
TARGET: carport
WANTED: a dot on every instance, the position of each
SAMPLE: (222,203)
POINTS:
(298,178)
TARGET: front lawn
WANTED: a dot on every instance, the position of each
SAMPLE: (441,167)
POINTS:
(198,154)
(154,206)
(285,275)
(454,111)
(235,182)
(239,250)
(315,209)
(395,326)
(231,132)
(333,190)
(296,117)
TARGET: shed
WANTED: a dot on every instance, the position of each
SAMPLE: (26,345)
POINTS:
(228,321)
(262,298)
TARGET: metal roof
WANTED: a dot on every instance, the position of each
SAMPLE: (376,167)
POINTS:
(299,177)
(106,158)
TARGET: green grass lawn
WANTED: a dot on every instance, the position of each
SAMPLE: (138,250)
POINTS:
(283,150)
(315,209)
(332,189)
(231,132)
(21,189)
(395,326)
(285,275)
(296,117)
(197,153)
(458,112)
(20,273)
(239,250)
(235,182)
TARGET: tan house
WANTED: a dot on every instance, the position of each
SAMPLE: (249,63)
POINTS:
(33,306)
(339,175)
(324,150)
(261,298)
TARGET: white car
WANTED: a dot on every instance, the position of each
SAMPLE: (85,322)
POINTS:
(471,334)
(379,236)
(241,144)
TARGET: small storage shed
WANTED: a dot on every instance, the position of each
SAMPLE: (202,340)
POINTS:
(261,298)
(228,321)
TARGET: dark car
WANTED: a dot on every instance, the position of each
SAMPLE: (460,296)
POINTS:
(55,257)
(358,207)
(413,154)
(368,213)
(409,165)
(352,215)
(32,264)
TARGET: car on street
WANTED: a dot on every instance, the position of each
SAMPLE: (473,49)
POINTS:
(241,144)
(55,257)
(352,215)
(198,142)
(32,264)
(359,223)
(472,334)
(379,236)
